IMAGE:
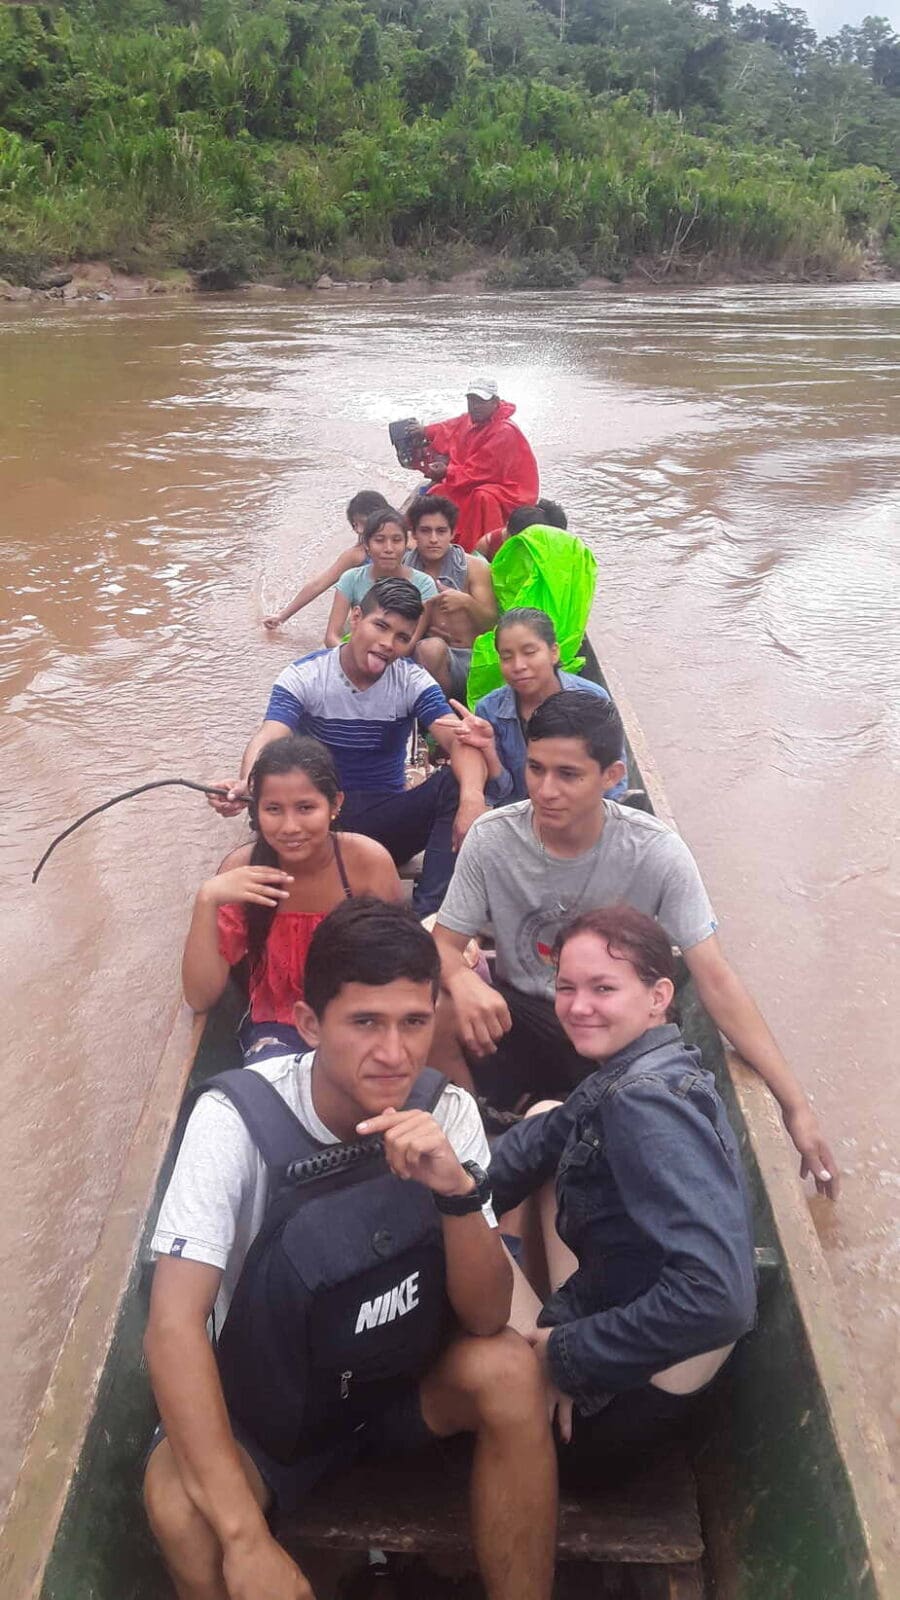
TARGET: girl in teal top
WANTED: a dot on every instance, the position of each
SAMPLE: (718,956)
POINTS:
(385,539)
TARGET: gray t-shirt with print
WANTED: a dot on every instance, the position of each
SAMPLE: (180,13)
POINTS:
(505,878)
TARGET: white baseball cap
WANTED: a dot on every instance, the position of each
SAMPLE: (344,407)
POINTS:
(484,388)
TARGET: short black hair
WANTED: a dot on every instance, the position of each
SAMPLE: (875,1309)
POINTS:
(578,714)
(364,504)
(431,503)
(365,940)
(554,515)
(393,594)
(524,517)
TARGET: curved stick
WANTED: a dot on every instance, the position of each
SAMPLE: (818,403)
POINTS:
(159,783)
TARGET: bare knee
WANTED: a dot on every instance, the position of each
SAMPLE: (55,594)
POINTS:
(541,1106)
(433,655)
(503,1379)
(175,1520)
(445,1013)
(446,1048)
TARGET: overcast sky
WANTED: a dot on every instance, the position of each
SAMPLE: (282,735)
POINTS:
(829,16)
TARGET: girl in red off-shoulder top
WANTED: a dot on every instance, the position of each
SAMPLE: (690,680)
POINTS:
(268,898)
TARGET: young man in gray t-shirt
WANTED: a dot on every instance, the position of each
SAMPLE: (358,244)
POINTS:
(528,869)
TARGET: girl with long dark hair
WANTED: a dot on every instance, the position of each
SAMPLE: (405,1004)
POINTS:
(268,898)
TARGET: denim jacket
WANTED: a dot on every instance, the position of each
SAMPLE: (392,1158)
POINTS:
(500,710)
(651,1198)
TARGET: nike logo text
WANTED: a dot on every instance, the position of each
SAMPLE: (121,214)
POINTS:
(390,1305)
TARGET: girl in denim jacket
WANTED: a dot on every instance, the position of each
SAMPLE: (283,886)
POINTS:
(646,1228)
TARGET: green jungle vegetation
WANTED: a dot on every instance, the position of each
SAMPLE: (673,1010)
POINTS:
(238,138)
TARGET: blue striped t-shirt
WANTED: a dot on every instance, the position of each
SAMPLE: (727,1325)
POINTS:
(366,730)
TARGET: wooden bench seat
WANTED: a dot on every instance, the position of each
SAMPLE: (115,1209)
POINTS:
(408,1506)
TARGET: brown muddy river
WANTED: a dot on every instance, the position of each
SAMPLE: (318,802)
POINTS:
(169,471)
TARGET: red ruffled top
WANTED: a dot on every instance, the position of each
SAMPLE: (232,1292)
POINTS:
(278,984)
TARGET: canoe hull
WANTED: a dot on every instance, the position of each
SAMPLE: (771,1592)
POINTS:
(794,1502)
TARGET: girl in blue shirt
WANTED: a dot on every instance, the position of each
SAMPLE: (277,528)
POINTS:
(529,660)
(385,541)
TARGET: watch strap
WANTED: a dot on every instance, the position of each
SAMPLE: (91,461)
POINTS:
(463,1205)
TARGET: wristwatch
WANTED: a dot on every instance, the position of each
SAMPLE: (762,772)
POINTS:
(460,1205)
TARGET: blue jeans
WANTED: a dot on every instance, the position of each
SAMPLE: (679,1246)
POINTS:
(406,821)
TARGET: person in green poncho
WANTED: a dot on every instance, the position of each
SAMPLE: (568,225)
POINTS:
(545,569)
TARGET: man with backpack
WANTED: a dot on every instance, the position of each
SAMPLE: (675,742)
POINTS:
(331,1213)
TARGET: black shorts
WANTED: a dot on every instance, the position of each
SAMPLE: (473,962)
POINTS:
(613,1444)
(400,1429)
(534,1061)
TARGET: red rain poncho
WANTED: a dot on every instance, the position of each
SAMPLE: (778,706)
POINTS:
(492,470)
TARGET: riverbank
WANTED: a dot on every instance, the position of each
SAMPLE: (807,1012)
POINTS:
(418,274)
(309,149)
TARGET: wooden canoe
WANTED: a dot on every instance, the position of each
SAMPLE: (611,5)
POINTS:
(793,1482)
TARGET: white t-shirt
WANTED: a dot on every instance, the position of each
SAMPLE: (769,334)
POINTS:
(216,1199)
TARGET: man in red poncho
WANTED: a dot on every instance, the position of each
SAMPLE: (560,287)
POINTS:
(490,468)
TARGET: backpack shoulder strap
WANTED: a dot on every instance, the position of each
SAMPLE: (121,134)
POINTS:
(279,1136)
(426,1091)
(356,1161)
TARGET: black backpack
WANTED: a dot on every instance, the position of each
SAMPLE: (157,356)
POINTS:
(342,1298)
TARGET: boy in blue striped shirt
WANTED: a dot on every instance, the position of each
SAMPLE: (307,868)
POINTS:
(362,700)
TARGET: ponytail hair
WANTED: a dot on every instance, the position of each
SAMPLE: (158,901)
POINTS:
(529,617)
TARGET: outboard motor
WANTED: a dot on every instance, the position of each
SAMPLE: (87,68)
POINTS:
(408,440)
(413,450)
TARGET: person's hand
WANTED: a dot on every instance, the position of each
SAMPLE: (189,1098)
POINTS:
(470,808)
(451,603)
(236,798)
(260,1569)
(436,468)
(482,1015)
(560,1405)
(471,730)
(415,1147)
(254,886)
(273,622)
(815,1156)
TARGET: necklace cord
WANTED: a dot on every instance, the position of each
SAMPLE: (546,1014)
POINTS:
(129,794)
(565,909)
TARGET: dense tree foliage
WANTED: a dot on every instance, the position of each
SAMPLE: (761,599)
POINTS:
(232,135)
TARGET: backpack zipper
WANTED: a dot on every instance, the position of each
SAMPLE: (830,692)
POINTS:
(345,1385)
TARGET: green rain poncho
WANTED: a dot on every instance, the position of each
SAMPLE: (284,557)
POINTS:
(551,570)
